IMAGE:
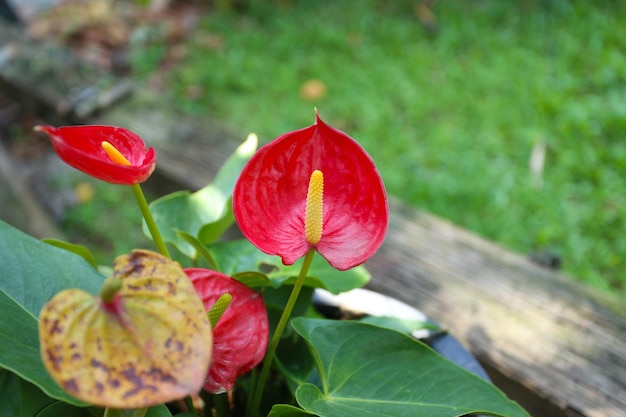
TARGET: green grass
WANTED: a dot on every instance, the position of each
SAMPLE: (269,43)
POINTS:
(450,117)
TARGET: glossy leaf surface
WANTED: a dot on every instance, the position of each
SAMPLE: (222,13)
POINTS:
(58,409)
(81,148)
(19,397)
(240,256)
(241,334)
(270,196)
(206,213)
(370,371)
(150,344)
(32,272)
(284,410)
(79,250)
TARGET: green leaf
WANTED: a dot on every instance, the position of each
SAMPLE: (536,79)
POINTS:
(284,410)
(295,362)
(276,299)
(19,397)
(205,214)
(330,279)
(79,250)
(370,371)
(158,411)
(67,410)
(253,279)
(238,256)
(199,247)
(210,232)
(31,273)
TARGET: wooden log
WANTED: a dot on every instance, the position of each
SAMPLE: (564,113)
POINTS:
(18,204)
(190,150)
(559,339)
(51,80)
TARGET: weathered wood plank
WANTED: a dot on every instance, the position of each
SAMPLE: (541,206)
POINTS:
(18,205)
(562,340)
(190,150)
(49,79)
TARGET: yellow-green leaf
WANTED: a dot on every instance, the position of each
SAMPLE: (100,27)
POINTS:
(150,344)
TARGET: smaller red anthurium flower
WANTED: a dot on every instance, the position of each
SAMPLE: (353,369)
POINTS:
(108,153)
(241,334)
(313,188)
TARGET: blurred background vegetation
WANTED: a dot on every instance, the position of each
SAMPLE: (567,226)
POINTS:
(506,117)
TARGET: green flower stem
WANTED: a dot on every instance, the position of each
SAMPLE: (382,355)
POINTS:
(114,412)
(255,399)
(147,215)
(220,402)
(190,407)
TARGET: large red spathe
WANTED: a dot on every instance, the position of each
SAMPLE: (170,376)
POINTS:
(270,196)
(81,148)
(241,334)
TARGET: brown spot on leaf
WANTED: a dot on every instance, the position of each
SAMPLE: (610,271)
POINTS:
(70,385)
(53,359)
(97,364)
(56,327)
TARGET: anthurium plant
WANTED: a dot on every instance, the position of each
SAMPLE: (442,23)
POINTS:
(199,325)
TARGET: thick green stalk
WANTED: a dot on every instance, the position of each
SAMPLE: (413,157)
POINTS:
(220,401)
(190,407)
(147,215)
(255,399)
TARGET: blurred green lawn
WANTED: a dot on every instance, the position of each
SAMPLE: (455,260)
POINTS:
(451,116)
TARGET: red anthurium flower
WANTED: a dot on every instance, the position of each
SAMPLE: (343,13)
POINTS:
(314,187)
(109,153)
(241,334)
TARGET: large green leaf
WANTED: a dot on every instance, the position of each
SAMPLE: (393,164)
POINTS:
(371,371)
(31,273)
(206,213)
(158,411)
(284,410)
(19,397)
(67,410)
(240,256)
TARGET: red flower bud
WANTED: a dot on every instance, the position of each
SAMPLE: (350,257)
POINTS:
(241,334)
(109,153)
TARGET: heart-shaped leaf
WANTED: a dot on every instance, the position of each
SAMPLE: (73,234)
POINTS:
(207,213)
(239,256)
(371,371)
(147,343)
(31,272)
